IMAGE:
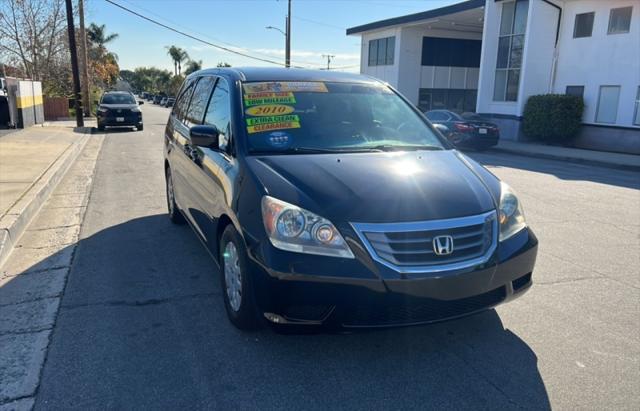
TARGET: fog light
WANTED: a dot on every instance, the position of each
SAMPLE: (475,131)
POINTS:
(274,318)
(323,233)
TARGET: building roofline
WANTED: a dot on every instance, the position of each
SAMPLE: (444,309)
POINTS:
(410,18)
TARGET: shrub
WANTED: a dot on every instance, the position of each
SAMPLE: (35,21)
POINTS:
(554,118)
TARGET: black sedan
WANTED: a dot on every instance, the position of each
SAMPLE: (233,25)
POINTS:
(466,130)
(119,109)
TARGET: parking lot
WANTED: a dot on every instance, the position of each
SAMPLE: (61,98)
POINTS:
(141,323)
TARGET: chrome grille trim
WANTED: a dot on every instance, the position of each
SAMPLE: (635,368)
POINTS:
(374,237)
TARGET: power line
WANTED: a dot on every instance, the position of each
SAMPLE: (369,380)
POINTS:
(210,37)
(193,37)
(319,23)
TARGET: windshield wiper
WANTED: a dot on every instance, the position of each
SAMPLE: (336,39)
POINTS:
(317,150)
(405,147)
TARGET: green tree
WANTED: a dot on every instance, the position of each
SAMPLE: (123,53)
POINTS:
(192,67)
(103,63)
(98,36)
(177,55)
(223,64)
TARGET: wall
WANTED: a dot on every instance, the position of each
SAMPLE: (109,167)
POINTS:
(601,59)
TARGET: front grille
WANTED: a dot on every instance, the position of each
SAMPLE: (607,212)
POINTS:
(403,312)
(119,112)
(410,246)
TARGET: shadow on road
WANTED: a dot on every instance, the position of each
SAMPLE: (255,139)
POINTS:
(561,169)
(142,325)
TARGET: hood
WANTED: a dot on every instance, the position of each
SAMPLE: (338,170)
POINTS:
(375,187)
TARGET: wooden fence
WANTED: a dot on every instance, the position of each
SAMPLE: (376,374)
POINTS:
(55,108)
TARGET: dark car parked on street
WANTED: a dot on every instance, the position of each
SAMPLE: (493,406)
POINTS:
(157,99)
(169,102)
(326,198)
(466,130)
(119,109)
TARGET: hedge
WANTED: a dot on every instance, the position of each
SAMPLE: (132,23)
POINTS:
(554,118)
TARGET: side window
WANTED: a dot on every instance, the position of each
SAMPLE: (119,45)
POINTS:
(219,113)
(199,101)
(182,102)
(437,116)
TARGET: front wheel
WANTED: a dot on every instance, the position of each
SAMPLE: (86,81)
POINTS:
(140,127)
(237,285)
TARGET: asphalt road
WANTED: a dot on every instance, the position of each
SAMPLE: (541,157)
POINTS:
(142,324)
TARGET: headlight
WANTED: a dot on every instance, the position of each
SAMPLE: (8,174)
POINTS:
(510,215)
(292,228)
(135,110)
(102,109)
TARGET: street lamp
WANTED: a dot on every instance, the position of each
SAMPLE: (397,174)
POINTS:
(287,35)
(275,28)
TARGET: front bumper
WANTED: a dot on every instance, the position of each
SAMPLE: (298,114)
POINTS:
(313,290)
(127,121)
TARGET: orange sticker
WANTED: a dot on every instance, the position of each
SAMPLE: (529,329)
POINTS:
(269,110)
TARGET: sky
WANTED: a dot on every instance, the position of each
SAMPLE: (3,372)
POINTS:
(318,27)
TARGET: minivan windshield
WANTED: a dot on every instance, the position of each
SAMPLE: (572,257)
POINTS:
(316,117)
(118,99)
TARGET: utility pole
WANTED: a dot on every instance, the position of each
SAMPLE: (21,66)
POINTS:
(287,53)
(86,104)
(328,57)
(74,64)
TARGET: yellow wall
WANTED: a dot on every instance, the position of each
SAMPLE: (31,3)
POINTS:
(28,101)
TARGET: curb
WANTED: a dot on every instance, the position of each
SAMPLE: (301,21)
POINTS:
(557,157)
(16,220)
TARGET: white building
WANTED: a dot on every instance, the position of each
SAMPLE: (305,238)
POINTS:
(489,56)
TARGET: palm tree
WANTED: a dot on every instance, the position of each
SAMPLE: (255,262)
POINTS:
(177,55)
(97,35)
(183,57)
(193,66)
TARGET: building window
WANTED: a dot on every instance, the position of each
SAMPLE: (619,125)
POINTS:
(461,100)
(607,110)
(445,52)
(583,25)
(636,117)
(513,24)
(577,91)
(381,51)
(619,20)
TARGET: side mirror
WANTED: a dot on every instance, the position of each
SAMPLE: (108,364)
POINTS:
(140,102)
(204,136)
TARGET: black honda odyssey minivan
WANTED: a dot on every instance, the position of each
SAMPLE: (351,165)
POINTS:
(328,199)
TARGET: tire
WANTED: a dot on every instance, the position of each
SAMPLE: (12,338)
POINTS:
(240,306)
(140,127)
(175,215)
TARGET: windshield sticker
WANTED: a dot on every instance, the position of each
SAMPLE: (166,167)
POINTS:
(269,110)
(257,99)
(259,124)
(279,139)
(291,86)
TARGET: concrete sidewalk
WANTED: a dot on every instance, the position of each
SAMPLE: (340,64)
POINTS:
(32,162)
(575,155)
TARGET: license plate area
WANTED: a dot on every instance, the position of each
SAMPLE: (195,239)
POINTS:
(482,131)
(119,119)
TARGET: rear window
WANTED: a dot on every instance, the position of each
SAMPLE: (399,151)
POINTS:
(282,116)
(118,99)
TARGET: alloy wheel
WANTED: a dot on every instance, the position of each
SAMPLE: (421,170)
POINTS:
(232,276)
